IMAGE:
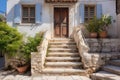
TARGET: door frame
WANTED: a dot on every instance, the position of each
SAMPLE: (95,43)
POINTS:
(63,6)
(66,8)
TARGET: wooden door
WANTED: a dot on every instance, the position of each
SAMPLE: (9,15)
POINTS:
(61,22)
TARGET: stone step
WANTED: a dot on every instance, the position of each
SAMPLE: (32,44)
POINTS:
(61,40)
(62,50)
(63,64)
(61,54)
(63,71)
(63,46)
(103,75)
(115,62)
(62,59)
(112,69)
(62,43)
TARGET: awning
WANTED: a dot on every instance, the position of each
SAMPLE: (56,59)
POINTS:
(61,1)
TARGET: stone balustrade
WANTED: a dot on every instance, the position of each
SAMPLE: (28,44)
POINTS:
(38,58)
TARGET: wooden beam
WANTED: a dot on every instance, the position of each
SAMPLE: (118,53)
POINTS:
(61,1)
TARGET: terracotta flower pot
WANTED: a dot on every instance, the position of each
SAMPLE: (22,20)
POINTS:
(103,34)
(22,69)
(93,35)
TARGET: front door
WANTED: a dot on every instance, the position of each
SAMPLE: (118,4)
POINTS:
(61,22)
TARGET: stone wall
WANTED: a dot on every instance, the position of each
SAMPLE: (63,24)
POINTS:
(104,45)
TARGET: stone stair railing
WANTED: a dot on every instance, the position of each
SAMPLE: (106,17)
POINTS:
(38,58)
(91,61)
(82,46)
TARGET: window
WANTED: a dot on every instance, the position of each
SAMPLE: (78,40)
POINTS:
(28,14)
(90,12)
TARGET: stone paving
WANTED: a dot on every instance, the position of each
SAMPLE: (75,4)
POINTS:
(13,75)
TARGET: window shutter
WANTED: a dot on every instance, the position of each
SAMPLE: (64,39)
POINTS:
(17,13)
(82,10)
(3,6)
(99,10)
(38,16)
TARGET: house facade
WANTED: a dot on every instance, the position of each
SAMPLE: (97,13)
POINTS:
(58,17)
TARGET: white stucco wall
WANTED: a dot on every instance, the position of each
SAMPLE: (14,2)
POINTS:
(47,15)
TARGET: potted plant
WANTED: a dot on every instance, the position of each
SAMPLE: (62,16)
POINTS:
(21,60)
(105,21)
(93,27)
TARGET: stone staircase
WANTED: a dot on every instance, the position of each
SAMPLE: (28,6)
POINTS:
(111,71)
(108,54)
(63,58)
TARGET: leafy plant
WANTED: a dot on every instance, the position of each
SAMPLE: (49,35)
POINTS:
(93,25)
(10,39)
(23,56)
(105,21)
(32,43)
(11,43)
(97,25)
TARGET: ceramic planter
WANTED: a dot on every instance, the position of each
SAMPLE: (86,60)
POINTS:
(93,35)
(22,69)
(103,34)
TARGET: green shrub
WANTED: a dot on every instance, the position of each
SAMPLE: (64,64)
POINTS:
(32,43)
(10,38)
(23,56)
(105,21)
(93,25)
(11,43)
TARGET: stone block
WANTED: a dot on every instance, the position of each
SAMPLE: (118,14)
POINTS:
(106,49)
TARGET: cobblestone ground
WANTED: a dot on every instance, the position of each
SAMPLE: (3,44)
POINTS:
(13,75)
